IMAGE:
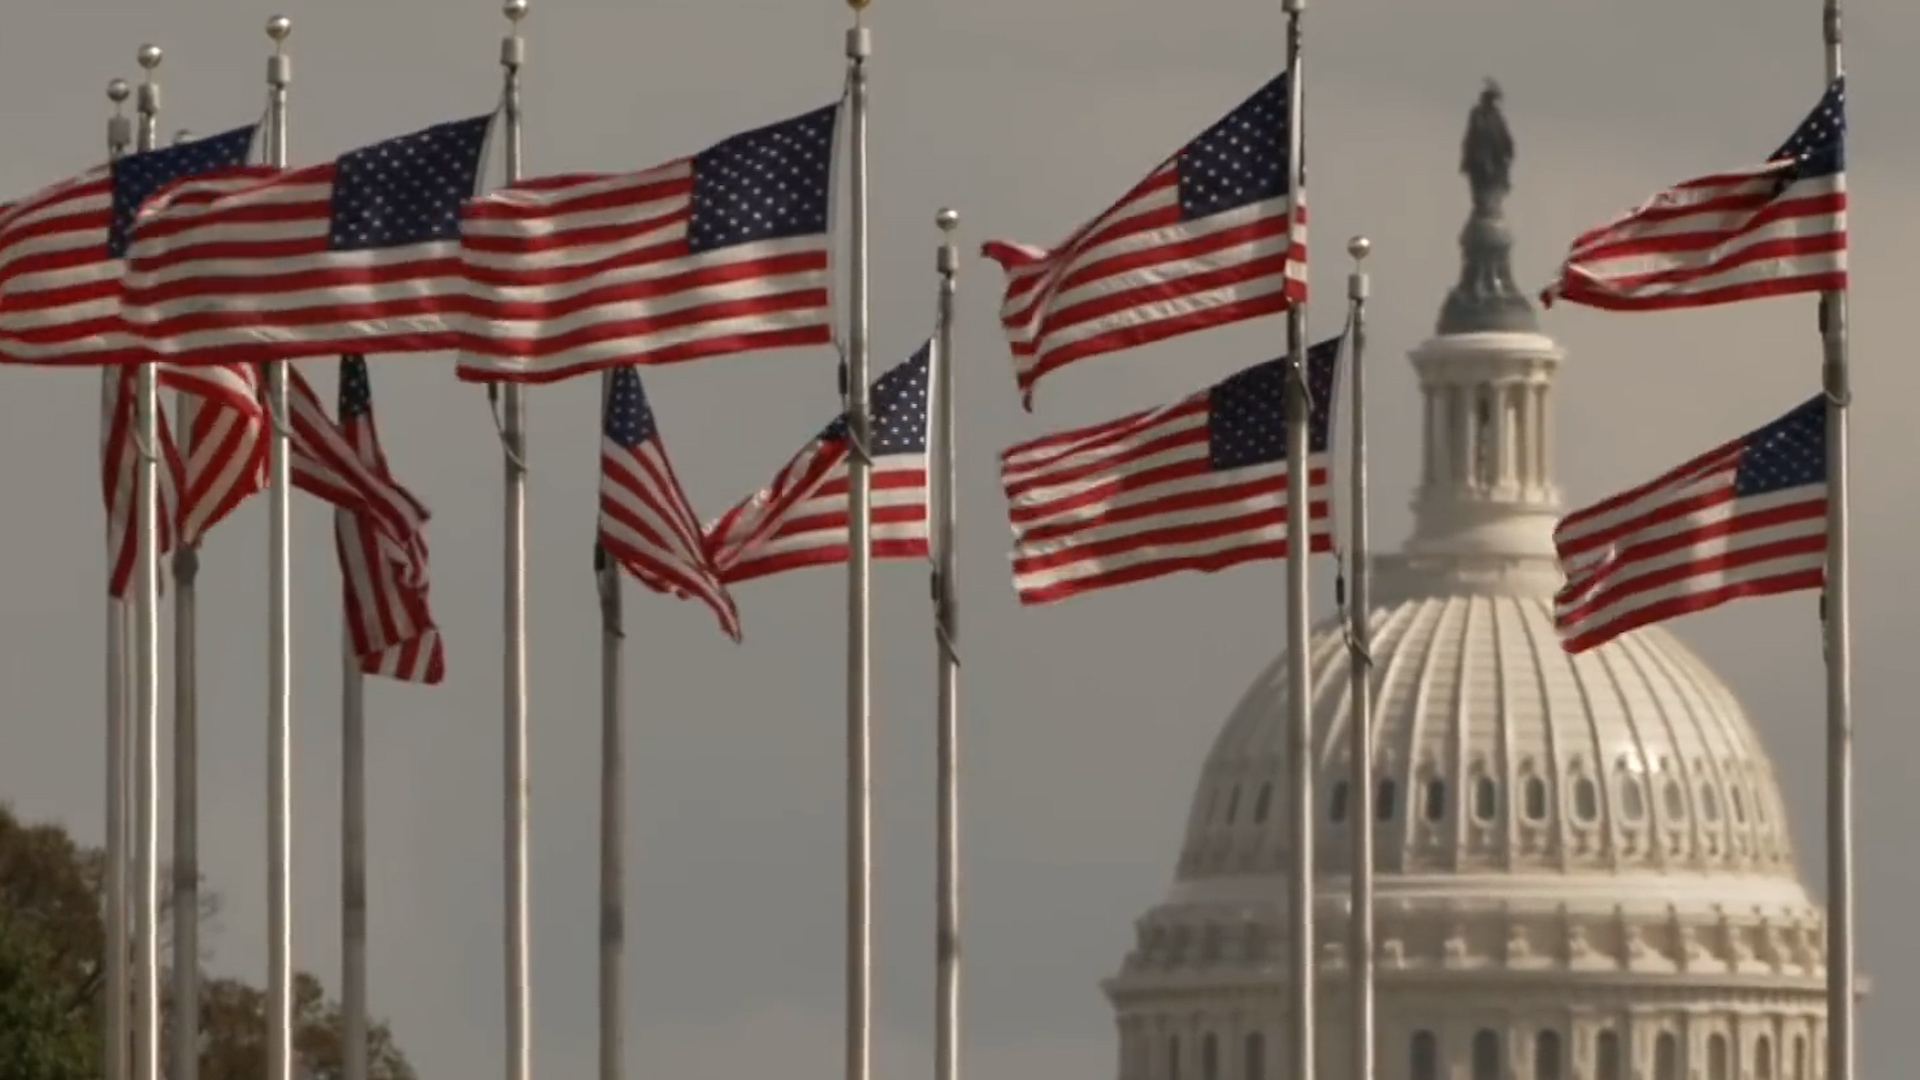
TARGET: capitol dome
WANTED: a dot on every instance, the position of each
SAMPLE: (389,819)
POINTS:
(1583,865)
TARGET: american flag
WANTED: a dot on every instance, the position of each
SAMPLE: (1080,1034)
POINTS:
(1197,485)
(328,463)
(388,619)
(646,523)
(1210,237)
(1746,519)
(801,518)
(225,460)
(1774,229)
(723,252)
(360,253)
(60,265)
(119,464)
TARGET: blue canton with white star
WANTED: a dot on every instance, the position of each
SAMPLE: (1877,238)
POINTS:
(1246,418)
(1819,144)
(629,417)
(772,183)
(407,190)
(899,408)
(1788,453)
(138,177)
(1240,160)
(356,389)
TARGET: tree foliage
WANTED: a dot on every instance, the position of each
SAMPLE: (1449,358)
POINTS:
(51,921)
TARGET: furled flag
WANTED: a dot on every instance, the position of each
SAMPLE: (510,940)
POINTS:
(646,523)
(62,248)
(1746,519)
(1210,237)
(358,254)
(328,463)
(801,518)
(722,252)
(1769,230)
(388,619)
(120,453)
(1197,485)
(225,459)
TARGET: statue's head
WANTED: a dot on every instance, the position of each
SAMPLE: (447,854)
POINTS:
(1490,94)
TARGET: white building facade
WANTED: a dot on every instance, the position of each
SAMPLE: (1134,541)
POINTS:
(1584,867)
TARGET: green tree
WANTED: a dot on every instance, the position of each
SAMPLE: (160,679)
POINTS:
(51,893)
(41,1037)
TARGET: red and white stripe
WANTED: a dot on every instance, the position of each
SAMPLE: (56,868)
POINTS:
(1138,274)
(59,290)
(238,269)
(648,527)
(801,519)
(119,466)
(1714,240)
(571,274)
(327,463)
(1137,498)
(225,460)
(1683,543)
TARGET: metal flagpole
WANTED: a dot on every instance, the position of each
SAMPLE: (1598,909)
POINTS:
(186,787)
(119,683)
(513,434)
(353,862)
(1300,713)
(613,784)
(1360,669)
(853,378)
(1838,619)
(946,599)
(280,637)
(146,1041)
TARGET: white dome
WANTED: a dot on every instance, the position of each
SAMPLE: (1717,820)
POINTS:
(1583,865)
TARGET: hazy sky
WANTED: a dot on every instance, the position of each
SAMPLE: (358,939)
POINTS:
(1085,723)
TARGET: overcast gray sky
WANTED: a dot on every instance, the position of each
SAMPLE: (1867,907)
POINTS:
(1086,723)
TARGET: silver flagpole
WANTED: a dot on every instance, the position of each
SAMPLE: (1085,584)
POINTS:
(353,862)
(946,598)
(613,785)
(1300,713)
(1839,623)
(186,787)
(119,683)
(1360,666)
(859,944)
(513,434)
(280,637)
(146,1042)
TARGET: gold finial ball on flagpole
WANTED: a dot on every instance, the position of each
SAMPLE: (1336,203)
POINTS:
(149,57)
(948,219)
(1358,247)
(118,91)
(279,27)
(514,10)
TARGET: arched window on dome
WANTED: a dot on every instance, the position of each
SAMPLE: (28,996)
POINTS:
(1535,796)
(1436,802)
(1666,1057)
(1210,1057)
(1486,1054)
(1586,799)
(1737,800)
(1763,1058)
(1423,1057)
(1233,804)
(1676,802)
(1262,803)
(1709,802)
(1337,802)
(1606,1056)
(1254,1055)
(1547,1055)
(1486,799)
(1633,799)
(1173,1057)
(1383,799)
(1719,1058)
